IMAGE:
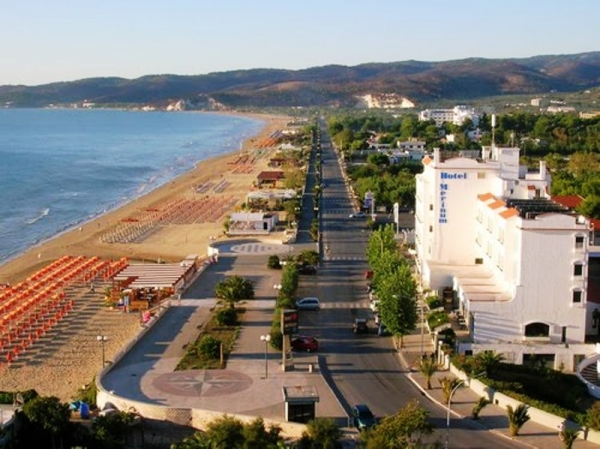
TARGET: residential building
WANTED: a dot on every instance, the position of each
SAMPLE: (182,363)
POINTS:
(515,260)
(456,115)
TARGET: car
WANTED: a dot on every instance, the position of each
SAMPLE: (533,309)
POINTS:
(309,303)
(362,417)
(307,269)
(359,214)
(360,326)
(305,343)
(374,305)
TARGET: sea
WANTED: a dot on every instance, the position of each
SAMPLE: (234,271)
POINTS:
(60,168)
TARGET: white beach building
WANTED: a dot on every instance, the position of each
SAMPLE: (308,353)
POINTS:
(515,260)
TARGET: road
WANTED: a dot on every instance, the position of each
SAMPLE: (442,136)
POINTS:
(364,368)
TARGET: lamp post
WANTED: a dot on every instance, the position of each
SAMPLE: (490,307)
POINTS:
(102,340)
(460,384)
(422,309)
(266,339)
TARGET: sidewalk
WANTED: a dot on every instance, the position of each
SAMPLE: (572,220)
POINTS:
(492,417)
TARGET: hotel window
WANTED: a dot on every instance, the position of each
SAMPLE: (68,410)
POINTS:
(577,296)
(431,207)
(501,235)
(578,269)
(479,261)
(480,175)
(579,240)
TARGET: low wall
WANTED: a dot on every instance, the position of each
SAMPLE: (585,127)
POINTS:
(536,415)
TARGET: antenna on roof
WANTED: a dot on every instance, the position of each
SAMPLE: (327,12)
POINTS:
(493,130)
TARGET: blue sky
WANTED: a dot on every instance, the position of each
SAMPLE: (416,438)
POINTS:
(63,40)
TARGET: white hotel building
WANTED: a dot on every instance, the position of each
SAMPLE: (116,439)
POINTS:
(515,260)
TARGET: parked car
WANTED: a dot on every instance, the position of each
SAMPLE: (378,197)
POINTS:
(307,269)
(360,326)
(305,343)
(374,305)
(362,417)
(359,214)
(309,303)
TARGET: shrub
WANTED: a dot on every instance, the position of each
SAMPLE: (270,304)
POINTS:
(210,347)
(436,319)
(226,317)
(274,262)
(433,302)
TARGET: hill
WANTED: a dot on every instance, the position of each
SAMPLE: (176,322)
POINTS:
(332,85)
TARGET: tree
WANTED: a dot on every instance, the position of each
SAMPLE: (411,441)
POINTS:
(448,385)
(397,302)
(225,433)
(568,437)
(256,436)
(479,406)
(321,433)
(592,416)
(48,420)
(427,367)
(234,289)
(487,361)
(405,429)
(517,417)
(110,431)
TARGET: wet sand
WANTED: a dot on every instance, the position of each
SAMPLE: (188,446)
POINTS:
(69,355)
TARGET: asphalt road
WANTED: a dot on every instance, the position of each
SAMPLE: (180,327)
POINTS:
(364,368)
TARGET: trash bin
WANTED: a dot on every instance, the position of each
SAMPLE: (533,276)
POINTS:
(84,411)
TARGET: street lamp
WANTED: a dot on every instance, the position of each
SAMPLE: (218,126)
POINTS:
(266,339)
(460,384)
(102,339)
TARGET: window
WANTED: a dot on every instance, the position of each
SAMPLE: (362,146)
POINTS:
(479,261)
(578,269)
(577,295)
(579,240)
(537,330)
(431,207)
(430,228)
(480,175)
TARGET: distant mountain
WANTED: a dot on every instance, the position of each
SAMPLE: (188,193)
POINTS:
(465,79)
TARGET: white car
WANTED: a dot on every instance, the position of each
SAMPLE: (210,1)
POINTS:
(359,214)
(375,305)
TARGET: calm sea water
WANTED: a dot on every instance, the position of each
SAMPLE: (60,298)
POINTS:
(60,168)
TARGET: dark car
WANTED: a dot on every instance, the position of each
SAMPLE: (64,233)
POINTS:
(360,326)
(305,343)
(307,269)
(362,417)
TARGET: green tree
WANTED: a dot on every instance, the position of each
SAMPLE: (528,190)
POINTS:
(427,367)
(569,435)
(592,416)
(47,420)
(405,429)
(110,431)
(397,301)
(225,433)
(517,417)
(481,403)
(487,361)
(234,289)
(256,436)
(321,433)
(448,385)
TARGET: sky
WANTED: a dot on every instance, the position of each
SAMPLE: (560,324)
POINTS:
(44,41)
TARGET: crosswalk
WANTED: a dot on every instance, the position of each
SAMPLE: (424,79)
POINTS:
(352,258)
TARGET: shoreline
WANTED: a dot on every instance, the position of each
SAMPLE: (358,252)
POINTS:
(81,235)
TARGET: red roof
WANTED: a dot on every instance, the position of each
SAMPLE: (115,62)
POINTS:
(270,175)
(571,201)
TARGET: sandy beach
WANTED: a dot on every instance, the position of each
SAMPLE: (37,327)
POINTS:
(69,355)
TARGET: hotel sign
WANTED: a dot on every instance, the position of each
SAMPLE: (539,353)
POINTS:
(443,218)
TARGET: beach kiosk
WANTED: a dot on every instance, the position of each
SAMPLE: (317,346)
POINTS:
(300,403)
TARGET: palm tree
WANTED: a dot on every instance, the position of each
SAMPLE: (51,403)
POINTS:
(234,289)
(569,435)
(488,360)
(427,367)
(479,405)
(448,385)
(517,418)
